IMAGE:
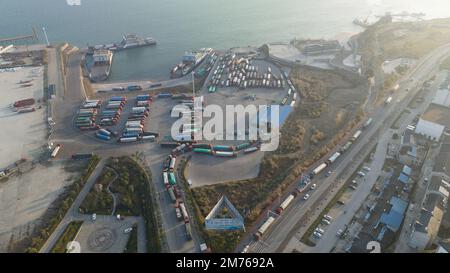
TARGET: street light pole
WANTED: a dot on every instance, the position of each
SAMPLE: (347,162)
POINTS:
(193,84)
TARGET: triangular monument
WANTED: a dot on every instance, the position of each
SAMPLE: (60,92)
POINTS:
(231,220)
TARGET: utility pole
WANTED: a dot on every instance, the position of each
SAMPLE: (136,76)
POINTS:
(193,84)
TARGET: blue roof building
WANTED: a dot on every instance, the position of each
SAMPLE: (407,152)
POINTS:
(394,218)
(407,170)
(403,178)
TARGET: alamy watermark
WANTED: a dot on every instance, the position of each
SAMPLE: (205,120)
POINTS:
(238,122)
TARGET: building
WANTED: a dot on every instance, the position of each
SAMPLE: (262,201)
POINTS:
(102,56)
(429,220)
(394,218)
(429,130)
(442,97)
(317,47)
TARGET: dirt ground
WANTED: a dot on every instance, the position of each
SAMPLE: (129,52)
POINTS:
(330,101)
(25,198)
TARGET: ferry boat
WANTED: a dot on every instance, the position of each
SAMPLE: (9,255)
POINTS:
(128,41)
(190,61)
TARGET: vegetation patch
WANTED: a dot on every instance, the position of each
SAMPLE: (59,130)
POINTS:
(135,197)
(98,200)
(69,235)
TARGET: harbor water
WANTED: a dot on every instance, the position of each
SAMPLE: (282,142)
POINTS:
(180,25)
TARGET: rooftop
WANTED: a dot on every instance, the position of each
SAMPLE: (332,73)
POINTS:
(437,114)
(442,97)
(394,218)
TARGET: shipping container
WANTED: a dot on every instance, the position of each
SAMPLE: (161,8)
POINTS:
(319,168)
(225,154)
(333,158)
(166,179)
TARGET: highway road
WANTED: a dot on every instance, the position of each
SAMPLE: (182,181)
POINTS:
(294,217)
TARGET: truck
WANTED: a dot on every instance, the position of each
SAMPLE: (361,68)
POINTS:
(356,135)
(101,136)
(286,202)
(172,179)
(188,231)
(184,212)
(223,148)
(388,100)
(318,169)
(202,151)
(264,227)
(82,156)
(24,102)
(333,158)
(127,139)
(251,150)
(225,154)
(171,192)
(166,179)
(172,163)
(56,151)
(104,132)
(242,146)
(134,88)
(368,122)
(148,138)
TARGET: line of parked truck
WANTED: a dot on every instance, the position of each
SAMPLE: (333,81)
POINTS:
(170,183)
(240,72)
(86,116)
(305,180)
(224,151)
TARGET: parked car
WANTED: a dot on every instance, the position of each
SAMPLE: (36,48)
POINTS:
(94,217)
(306,196)
(128,230)
(313,186)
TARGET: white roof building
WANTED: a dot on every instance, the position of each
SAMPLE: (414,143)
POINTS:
(442,98)
(429,130)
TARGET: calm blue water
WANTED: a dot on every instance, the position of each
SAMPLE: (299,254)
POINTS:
(179,25)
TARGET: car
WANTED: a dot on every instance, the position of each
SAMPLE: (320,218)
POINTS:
(340,202)
(367,169)
(328,173)
(319,230)
(306,197)
(317,235)
(328,217)
(325,222)
(128,230)
(352,187)
(313,186)
(245,250)
(189,182)
(339,232)
(354,182)
(361,174)
(94,217)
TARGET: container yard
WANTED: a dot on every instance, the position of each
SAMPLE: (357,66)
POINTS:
(22,115)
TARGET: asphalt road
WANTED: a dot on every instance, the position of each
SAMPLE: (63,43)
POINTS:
(286,226)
